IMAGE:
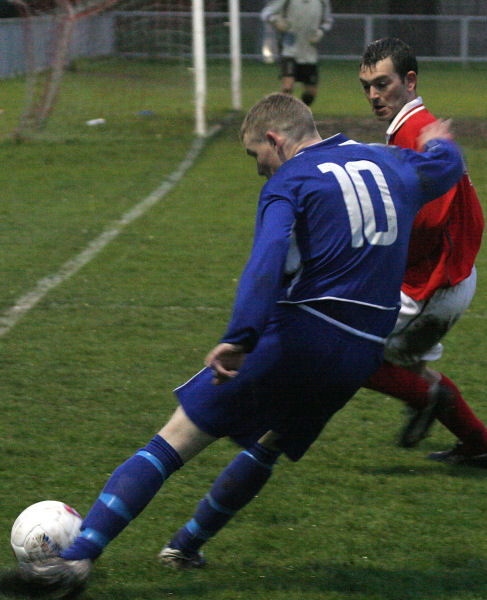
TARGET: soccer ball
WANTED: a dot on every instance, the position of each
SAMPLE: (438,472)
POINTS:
(43,530)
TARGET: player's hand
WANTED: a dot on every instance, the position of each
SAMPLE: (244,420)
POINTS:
(225,361)
(281,24)
(316,36)
(437,130)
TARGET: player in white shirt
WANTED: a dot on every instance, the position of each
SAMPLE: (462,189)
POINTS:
(302,24)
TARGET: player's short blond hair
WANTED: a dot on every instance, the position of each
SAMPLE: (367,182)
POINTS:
(282,113)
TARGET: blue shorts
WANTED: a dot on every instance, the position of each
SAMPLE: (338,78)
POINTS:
(301,372)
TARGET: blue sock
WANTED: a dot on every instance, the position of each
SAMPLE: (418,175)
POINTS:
(234,488)
(128,491)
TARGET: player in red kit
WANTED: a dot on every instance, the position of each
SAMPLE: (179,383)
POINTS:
(440,276)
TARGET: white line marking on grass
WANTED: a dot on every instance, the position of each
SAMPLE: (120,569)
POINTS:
(24,304)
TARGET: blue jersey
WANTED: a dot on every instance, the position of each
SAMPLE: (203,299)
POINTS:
(342,212)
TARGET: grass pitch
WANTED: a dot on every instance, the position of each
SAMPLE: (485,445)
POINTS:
(86,376)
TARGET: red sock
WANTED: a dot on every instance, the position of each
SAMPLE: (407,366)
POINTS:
(400,383)
(459,418)
(414,390)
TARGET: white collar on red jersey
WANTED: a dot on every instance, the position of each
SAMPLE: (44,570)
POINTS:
(408,110)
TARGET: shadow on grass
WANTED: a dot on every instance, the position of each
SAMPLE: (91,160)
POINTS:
(317,580)
(13,586)
(456,471)
(449,581)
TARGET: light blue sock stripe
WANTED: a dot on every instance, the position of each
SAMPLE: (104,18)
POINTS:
(154,460)
(196,531)
(262,464)
(95,536)
(218,507)
(118,506)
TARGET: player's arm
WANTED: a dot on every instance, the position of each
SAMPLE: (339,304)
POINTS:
(327,19)
(325,25)
(440,165)
(435,213)
(273,13)
(261,281)
(437,130)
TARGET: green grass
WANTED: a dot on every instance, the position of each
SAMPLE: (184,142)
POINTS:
(86,376)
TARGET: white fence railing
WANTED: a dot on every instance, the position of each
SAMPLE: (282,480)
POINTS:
(433,37)
(439,38)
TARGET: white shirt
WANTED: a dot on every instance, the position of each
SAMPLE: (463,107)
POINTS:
(305,16)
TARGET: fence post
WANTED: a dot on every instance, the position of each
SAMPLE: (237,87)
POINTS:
(369,30)
(464,22)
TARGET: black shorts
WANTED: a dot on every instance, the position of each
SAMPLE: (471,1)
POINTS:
(304,73)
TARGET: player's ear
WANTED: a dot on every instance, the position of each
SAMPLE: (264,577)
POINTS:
(411,80)
(273,139)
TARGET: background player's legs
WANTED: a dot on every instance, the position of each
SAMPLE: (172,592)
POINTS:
(307,74)
(430,395)
(405,375)
(309,93)
(451,409)
(288,74)
(287,84)
(456,415)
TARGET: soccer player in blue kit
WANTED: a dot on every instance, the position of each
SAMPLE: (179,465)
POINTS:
(317,298)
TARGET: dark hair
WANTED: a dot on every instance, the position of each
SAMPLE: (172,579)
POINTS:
(401,54)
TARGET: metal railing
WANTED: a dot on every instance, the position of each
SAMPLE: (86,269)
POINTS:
(446,38)
(433,37)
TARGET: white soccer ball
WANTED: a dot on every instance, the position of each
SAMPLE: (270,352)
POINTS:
(43,530)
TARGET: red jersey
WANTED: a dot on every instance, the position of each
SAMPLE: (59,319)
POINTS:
(447,232)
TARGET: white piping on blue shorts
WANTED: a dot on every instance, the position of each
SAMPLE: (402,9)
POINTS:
(340,325)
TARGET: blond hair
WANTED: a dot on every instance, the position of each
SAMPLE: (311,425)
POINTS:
(282,113)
